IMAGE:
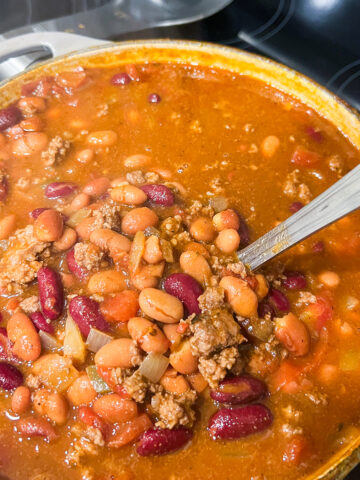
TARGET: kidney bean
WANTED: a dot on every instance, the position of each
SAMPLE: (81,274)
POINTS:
(264,309)
(4,188)
(186,289)
(239,390)
(51,292)
(279,301)
(295,207)
(244,232)
(86,313)
(120,79)
(159,194)
(160,441)
(40,322)
(36,427)
(294,281)
(10,376)
(233,423)
(74,267)
(35,213)
(59,189)
(315,134)
(154,98)
(318,247)
(9,116)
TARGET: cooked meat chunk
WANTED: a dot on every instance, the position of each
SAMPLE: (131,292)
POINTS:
(88,256)
(211,299)
(174,410)
(30,304)
(293,187)
(214,332)
(238,268)
(136,386)
(108,216)
(136,355)
(56,151)
(265,357)
(22,260)
(136,177)
(214,369)
(304,193)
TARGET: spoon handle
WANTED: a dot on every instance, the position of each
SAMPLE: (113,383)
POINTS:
(337,201)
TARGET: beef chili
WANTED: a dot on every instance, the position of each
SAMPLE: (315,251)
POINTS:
(133,343)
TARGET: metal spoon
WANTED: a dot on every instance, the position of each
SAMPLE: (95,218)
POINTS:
(337,201)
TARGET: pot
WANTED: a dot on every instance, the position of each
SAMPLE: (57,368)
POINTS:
(181,52)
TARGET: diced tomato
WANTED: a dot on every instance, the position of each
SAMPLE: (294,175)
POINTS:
(106,374)
(296,450)
(70,80)
(90,418)
(321,311)
(130,431)
(40,88)
(121,307)
(182,327)
(286,377)
(305,158)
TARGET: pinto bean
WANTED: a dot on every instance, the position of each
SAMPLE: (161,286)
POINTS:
(85,228)
(29,144)
(226,219)
(97,187)
(36,427)
(51,292)
(85,156)
(32,124)
(102,138)
(152,253)
(23,334)
(66,241)
(48,227)
(81,200)
(293,334)
(7,226)
(31,105)
(21,400)
(107,281)
(241,297)
(228,240)
(138,219)
(136,161)
(148,276)
(195,265)
(174,383)
(117,353)
(172,334)
(114,409)
(327,278)
(120,307)
(52,405)
(270,145)
(163,441)
(111,242)
(202,229)
(182,359)
(197,381)
(148,335)
(160,305)
(262,287)
(128,194)
(81,391)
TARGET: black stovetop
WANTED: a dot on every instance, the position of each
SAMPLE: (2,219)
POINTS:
(320,38)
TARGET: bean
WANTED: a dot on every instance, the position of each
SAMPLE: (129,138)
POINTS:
(202,229)
(160,305)
(29,144)
(120,307)
(111,242)
(71,80)
(279,301)
(20,400)
(138,219)
(242,298)
(327,278)
(197,381)
(107,281)
(154,98)
(85,156)
(239,390)
(9,116)
(182,359)
(97,187)
(294,281)
(186,289)
(85,228)
(137,161)
(66,241)
(130,431)
(172,334)
(31,105)
(59,189)
(295,207)
(152,253)
(51,293)
(36,212)
(4,188)
(156,441)
(52,405)
(41,323)
(48,227)
(36,427)
(270,145)
(74,267)
(117,353)
(159,194)
(81,391)
(128,194)
(148,335)
(7,226)
(102,138)
(81,200)
(148,276)
(114,409)
(23,334)
(244,233)
(293,334)
(6,347)
(226,219)
(120,79)
(195,265)
(86,313)
(234,423)
(10,376)
(228,240)
(174,383)
(32,124)
(262,287)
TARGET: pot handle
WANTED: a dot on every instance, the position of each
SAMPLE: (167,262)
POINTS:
(16,53)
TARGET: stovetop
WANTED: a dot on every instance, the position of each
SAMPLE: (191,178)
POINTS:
(320,38)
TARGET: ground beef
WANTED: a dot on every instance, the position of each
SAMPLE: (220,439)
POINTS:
(304,194)
(22,260)
(265,357)
(88,256)
(211,299)
(136,177)
(173,410)
(136,386)
(336,164)
(56,151)
(214,332)
(171,226)
(214,369)
(33,381)
(136,355)
(237,268)
(108,216)
(30,304)
(152,177)
(293,187)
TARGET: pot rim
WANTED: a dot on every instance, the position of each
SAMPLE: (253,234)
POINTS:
(275,74)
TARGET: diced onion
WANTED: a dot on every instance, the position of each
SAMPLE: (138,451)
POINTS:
(99,384)
(74,345)
(136,252)
(153,367)
(218,204)
(78,216)
(167,250)
(48,341)
(97,339)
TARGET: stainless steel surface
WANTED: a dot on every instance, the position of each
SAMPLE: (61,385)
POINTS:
(337,201)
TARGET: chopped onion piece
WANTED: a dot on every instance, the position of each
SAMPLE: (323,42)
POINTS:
(136,252)
(97,339)
(99,384)
(49,341)
(218,204)
(166,250)
(78,216)
(153,367)
(74,345)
